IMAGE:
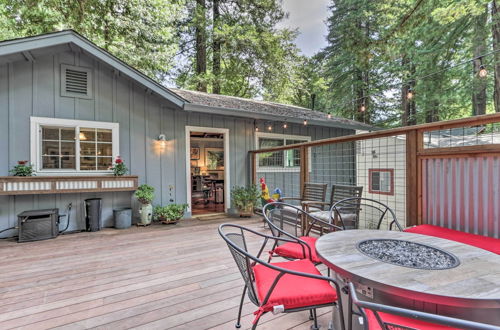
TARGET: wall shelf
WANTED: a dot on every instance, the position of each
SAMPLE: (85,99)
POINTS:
(17,185)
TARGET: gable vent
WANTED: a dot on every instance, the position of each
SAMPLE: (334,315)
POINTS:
(76,81)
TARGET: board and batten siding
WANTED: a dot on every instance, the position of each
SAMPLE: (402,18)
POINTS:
(33,89)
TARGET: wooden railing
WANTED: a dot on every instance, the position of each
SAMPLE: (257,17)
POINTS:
(417,167)
(17,185)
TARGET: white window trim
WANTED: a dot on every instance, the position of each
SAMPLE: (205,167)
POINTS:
(36,143)
(284,137)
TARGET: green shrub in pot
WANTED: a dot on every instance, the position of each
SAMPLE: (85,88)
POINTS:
(245,198)
(145,195)
(170,213)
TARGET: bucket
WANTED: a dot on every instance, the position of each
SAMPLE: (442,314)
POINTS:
(123,218)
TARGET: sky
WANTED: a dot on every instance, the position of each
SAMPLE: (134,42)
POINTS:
(309,17)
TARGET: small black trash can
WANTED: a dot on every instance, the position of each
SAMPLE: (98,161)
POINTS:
(123,218)
(93,212)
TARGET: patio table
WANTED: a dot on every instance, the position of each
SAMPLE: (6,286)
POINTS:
(469,290)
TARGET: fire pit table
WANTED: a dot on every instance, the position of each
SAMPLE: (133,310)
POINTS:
(416,271)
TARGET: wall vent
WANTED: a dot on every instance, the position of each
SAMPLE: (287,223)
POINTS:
(76,81)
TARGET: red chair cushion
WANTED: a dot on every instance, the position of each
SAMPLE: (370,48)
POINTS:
(293,291)
(487,243)
(401,321)
(294,250)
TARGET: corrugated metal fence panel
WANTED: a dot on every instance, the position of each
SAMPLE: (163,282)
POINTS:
(462,194)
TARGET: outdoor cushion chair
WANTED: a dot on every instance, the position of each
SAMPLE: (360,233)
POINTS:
(486,243)
(312,193)
(289,286)
(284,221)
(338,193)
(364,213)
(381,317)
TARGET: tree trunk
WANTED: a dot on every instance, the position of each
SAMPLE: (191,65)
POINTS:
(495,31)
(479,48)
(216,69)
(201,45)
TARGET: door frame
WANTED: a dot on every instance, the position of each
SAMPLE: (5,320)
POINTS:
(225,132)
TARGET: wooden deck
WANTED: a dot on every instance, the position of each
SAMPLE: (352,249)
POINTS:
(160,277)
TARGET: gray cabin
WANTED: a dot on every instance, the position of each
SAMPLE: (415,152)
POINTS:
(70,108)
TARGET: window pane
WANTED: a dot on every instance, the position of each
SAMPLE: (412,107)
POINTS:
(68,134)
(103,163)
(50,133)
(87,134)
(385,181)
(273,159)
(87,163)
(104,135)
(289,142)
(87,148)
(50,162)
(68,162)
(292,158)
(104,149)
(375,181)
(50,148)
(68,148)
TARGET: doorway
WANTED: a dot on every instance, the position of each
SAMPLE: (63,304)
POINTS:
(207,170)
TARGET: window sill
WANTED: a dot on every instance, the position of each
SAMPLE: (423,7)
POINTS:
(64,184)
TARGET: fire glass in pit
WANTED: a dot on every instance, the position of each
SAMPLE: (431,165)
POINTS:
(408,254)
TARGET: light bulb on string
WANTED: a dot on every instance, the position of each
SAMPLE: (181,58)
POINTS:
(270,128)
(256,129)
(329,116)
(410,94)
(305,122)
(285,125)
(482,73)
(362,108)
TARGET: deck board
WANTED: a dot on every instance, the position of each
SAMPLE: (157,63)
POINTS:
(160,277)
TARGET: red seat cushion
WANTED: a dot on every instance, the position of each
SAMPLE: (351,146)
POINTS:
(294,250)
(487,243)
(293,291)
(401,321)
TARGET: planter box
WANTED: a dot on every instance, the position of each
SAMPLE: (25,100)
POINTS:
(30,185)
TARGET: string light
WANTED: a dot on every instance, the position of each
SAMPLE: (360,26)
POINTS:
(255,126)
(410,94)
(482,72)
(329,116)
(305,122)
(285,125)
(270,127)
(256,129)
(362,108)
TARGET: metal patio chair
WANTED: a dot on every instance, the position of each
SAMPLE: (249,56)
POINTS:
(377,316)
(364,213)
(287,287)
(284,221)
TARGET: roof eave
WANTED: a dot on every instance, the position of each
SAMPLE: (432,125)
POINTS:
(262,116)
(54,39)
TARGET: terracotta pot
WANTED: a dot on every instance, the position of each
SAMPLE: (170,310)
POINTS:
(247,211)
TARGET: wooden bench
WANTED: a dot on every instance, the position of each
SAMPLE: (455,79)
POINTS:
(487,243)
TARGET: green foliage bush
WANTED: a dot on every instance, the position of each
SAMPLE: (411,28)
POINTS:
(22,169)
(145,193)
(245,197)
(170,212)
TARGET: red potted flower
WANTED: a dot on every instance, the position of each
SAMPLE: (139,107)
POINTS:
(119,168)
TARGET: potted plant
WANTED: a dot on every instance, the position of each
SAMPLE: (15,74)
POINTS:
(22,169)
(170,214)
(119,168)
(244,199)
(145,195)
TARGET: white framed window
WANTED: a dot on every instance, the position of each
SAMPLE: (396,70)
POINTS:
(279,161)
(381,181)
(73,146)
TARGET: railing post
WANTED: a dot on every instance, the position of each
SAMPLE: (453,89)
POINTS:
(413,179)
(304,167)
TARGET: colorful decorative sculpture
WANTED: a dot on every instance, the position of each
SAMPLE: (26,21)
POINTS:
(265,196)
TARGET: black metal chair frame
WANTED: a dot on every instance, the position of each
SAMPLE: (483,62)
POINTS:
(246,261)
(422,316)
(312,221)
(357,202)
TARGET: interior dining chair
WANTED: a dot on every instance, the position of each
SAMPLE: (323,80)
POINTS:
(383,317)
(285,220)
(364,213)
(286,287)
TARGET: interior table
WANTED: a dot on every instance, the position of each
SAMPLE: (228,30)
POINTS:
(463,283)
